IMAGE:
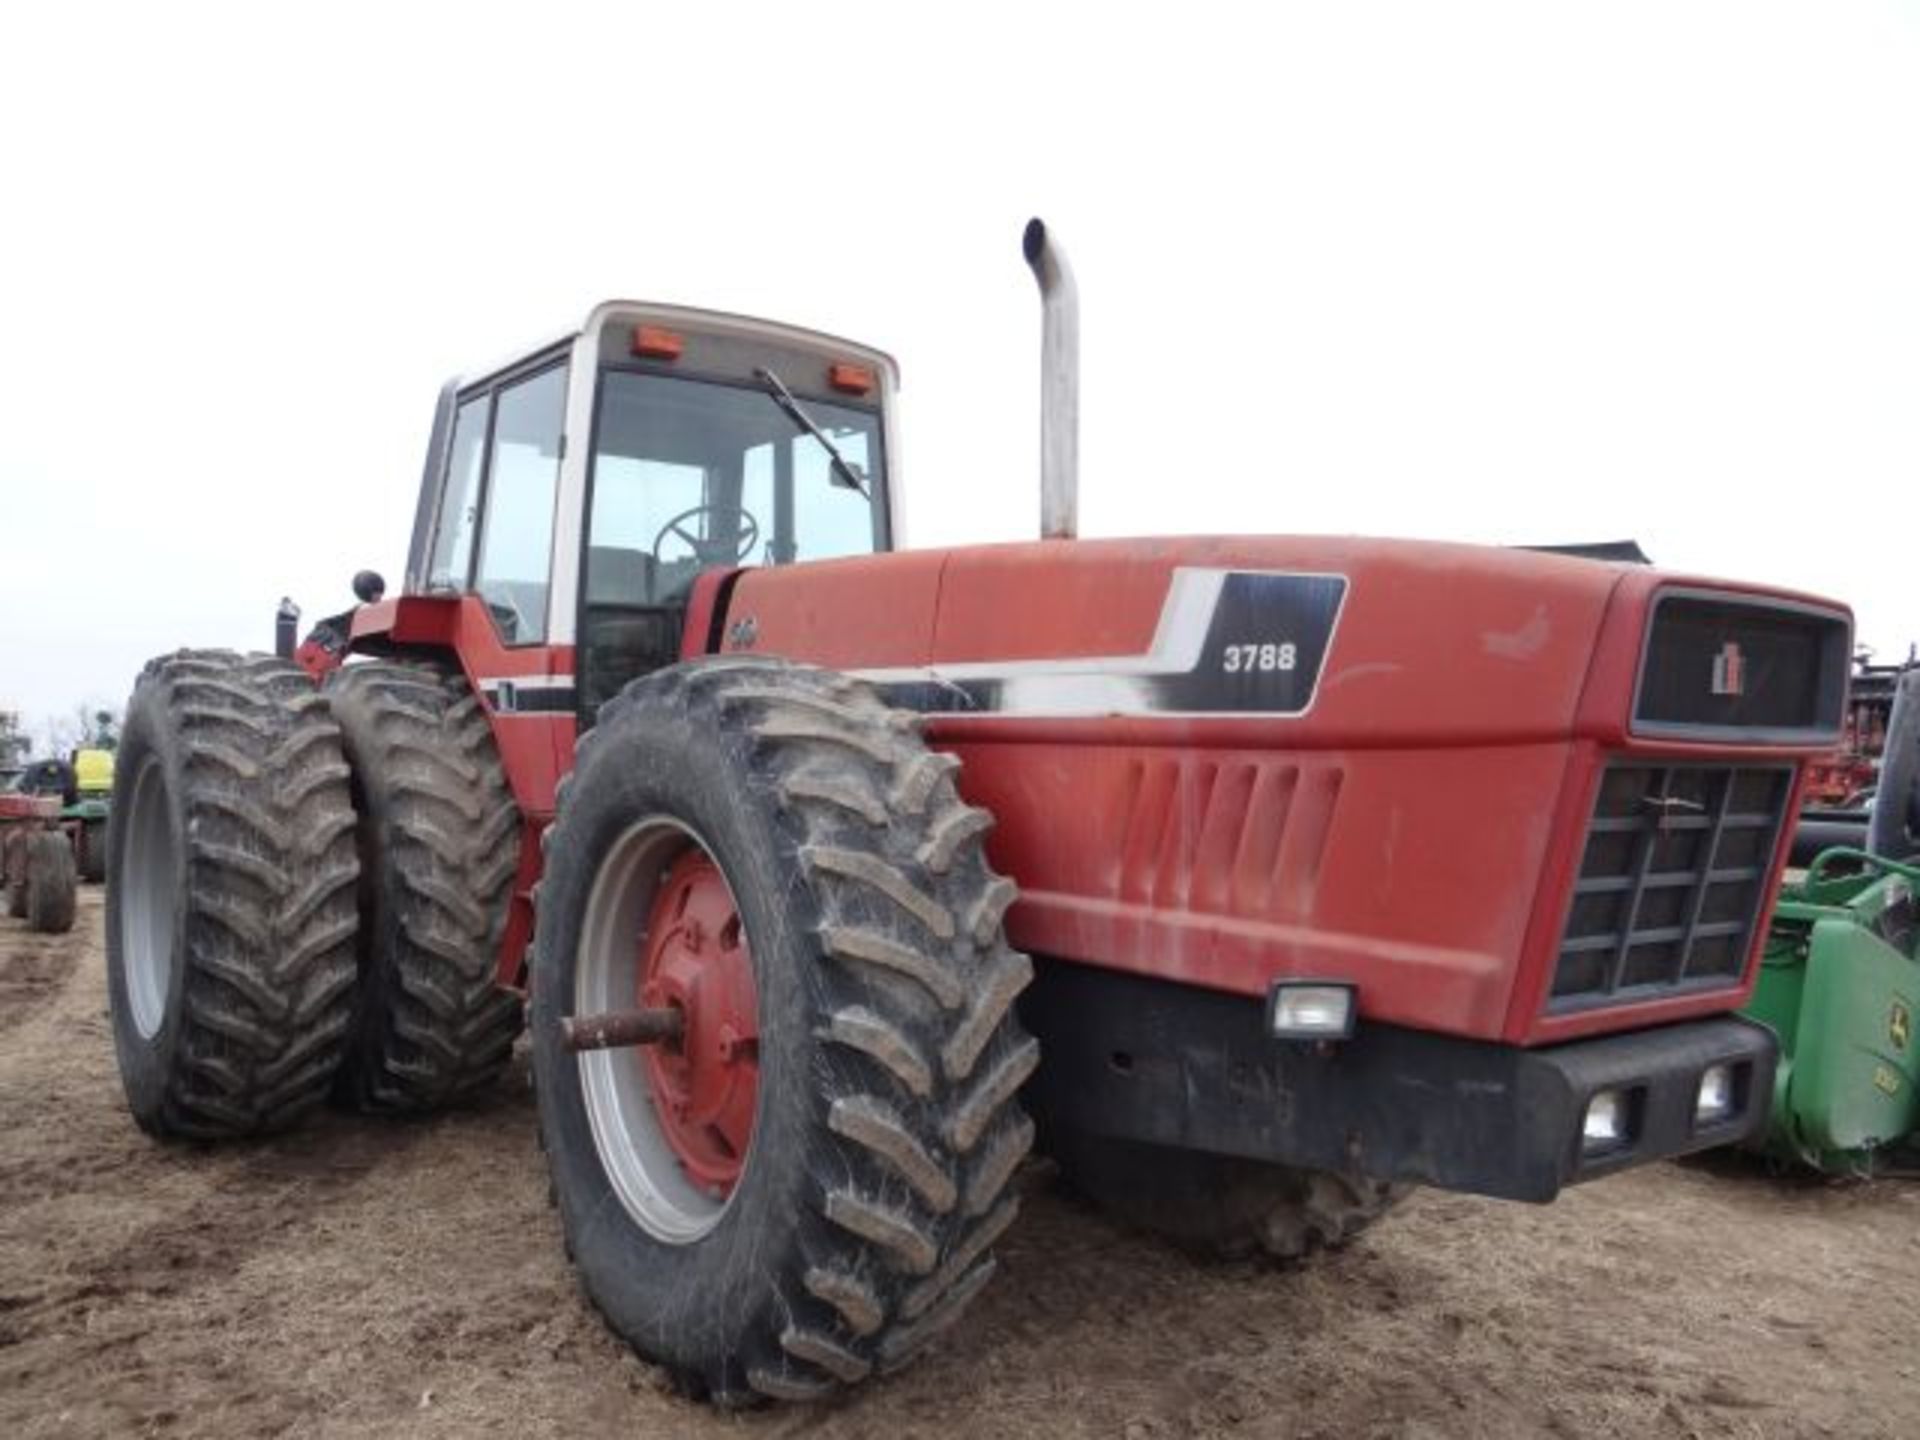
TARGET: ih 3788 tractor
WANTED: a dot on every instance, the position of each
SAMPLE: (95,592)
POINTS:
(1342,864)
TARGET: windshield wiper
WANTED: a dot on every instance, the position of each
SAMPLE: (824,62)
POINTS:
(843,472)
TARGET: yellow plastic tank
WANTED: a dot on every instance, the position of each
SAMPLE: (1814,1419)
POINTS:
(93,771)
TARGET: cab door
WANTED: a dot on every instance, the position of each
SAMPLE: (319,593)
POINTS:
(493,544)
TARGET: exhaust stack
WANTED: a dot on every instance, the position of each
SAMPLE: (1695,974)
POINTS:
(1059,384)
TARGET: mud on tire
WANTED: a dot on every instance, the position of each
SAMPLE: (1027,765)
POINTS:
(230,903)
(887,1128)
(1220,1205)
(439,841)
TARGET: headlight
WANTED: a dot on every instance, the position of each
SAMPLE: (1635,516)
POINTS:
(1714,1100)
(1310,1010)
(1607,1121)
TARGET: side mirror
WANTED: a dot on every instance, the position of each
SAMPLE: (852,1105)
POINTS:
(368,587)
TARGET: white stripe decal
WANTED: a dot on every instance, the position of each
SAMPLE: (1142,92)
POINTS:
(529,682)
(1186,671)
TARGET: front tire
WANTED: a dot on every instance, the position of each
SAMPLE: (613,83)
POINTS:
(884,1127)
(1221,1206)
(439,841)
(230,896)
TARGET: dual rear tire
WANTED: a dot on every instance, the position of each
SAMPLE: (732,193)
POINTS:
(439,842)
(230,898)
(268,942)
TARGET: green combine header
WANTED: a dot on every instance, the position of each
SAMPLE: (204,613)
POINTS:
(1840,985)
(1840,980)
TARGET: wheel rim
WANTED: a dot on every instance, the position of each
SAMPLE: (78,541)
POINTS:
(148,894)
(672,1122)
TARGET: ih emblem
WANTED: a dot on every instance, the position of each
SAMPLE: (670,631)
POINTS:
(1730,670)
(1899,1025)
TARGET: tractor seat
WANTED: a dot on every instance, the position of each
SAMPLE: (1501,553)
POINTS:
(622,577)
(618,576)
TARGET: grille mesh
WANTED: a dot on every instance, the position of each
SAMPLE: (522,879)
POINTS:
(1671,882)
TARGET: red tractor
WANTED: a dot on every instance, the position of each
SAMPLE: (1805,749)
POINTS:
(1259,877)
(37,870)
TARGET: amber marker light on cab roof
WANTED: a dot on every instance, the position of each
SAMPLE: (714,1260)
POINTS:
(651,342)
(853,379)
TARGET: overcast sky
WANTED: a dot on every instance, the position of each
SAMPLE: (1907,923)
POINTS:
(1499,272)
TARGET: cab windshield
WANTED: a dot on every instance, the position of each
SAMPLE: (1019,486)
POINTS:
(690,474)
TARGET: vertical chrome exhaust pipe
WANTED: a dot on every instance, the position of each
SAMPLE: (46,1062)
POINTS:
(1059,384)
(286,628)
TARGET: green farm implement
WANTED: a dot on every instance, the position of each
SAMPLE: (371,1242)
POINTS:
(1840,982)
(1840,985)
(82,786)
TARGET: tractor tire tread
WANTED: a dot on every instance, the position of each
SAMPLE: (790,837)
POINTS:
(439,839)
(923,1056)
(267,971)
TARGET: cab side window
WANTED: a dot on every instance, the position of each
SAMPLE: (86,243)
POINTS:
(460,502)
(516,539)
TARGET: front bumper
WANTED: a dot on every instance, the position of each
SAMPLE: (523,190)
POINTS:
(1194,1069)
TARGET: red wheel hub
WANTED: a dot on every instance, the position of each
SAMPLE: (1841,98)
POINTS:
(695,959)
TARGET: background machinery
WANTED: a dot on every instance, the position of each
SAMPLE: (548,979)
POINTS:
(53,825)
(37,871)
(1846,779)
(82,784)
(1840,976)
(1256,878)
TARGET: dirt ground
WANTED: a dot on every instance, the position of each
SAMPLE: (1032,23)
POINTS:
(360,1278)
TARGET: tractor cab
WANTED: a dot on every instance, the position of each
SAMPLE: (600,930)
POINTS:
(581,491)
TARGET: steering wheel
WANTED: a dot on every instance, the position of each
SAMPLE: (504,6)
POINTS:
(711,552)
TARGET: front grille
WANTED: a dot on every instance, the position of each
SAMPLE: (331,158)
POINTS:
(1671,882)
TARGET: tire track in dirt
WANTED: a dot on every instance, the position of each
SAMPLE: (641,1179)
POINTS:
(32,975)
(198,1245)
(97,1221)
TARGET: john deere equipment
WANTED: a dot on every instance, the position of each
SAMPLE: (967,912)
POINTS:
(83,786)
(1840,982)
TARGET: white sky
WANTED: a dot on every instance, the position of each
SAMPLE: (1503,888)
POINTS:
(1504,272)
